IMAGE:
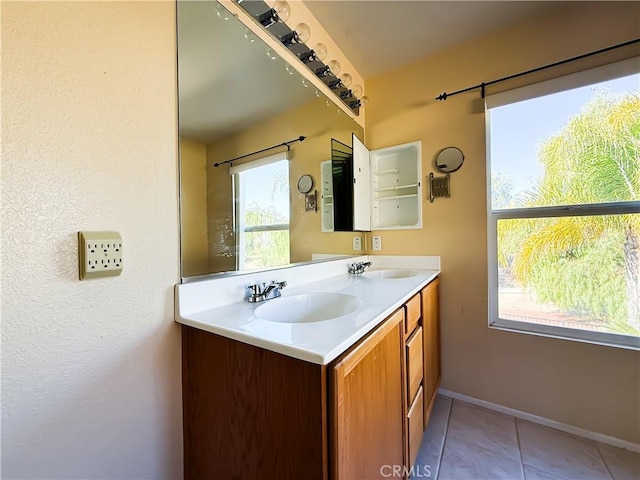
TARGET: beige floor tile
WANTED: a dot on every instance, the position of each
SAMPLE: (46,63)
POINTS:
(560,454)
(491,430)
(623,464)
(533,473)
(464,460)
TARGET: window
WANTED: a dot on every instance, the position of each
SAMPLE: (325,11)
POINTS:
(563,177)
(262,212)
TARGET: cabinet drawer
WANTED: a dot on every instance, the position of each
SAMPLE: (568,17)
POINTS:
(414,364)
(413,314)
(415,420)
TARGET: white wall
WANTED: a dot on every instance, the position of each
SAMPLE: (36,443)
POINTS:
(90,370)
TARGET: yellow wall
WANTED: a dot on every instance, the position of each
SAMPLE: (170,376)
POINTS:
(193,180)
(319,123)
(593,387)
(90,370)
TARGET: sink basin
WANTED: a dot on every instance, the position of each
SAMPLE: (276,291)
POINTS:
(308,307)
(389,274)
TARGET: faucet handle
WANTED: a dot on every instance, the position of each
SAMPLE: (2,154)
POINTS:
(358,267)
(255,288)
(281,284)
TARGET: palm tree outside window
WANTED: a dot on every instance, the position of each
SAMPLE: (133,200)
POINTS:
(564,206)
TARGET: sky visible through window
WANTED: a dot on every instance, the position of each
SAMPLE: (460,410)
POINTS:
(522,126)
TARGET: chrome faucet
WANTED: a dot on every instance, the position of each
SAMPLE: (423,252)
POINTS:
(358,267)
(261,291)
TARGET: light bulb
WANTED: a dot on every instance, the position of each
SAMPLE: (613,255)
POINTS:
(306,83)
(334,66)
(357,91)
(346,79)
(303,32)
(282,9)
(290,70)
(364,100)
(320,51)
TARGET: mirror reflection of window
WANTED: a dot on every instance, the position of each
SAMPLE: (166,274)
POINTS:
(262,212)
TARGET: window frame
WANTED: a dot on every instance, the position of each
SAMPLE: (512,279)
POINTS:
(239,205)
(557,85)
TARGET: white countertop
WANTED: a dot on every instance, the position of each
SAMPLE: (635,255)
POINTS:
(317,342)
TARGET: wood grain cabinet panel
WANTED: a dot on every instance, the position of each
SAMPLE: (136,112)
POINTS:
(415,427)
(367,397)
(414,312)
(415,364)
(250,413)
(431,339)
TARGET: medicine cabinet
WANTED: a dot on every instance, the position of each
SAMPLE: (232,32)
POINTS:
(365,190)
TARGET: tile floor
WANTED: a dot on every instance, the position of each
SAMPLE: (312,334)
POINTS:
(466,442)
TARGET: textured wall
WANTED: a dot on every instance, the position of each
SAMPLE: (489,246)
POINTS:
(90,370)
(589,386)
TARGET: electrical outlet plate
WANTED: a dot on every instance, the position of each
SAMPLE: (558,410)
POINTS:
(357,243)
(376,243)
(99,254)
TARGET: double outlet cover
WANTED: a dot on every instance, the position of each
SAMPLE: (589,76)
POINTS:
(100,254)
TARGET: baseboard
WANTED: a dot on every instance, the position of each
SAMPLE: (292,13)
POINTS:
(580,432)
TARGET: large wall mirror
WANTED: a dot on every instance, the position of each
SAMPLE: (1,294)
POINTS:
(237,97)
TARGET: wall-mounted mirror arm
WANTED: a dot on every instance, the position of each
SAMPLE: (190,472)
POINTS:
(287,144)
(439,187)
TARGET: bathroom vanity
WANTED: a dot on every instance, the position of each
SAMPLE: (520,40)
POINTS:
(344,397)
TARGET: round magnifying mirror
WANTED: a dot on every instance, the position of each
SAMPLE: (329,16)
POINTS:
(449,159)
(305,184)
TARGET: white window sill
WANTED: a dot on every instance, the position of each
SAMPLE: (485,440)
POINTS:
(626,342)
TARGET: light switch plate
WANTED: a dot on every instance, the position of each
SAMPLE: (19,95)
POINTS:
(376,243)
(357,243)
(99,254)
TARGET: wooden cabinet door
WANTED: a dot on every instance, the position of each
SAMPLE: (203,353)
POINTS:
(431,338)
(367,405)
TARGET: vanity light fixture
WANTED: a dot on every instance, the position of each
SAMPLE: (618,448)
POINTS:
(279,13)
(318,54)
(346,79)
(322,71)
(300,34)
(273,19)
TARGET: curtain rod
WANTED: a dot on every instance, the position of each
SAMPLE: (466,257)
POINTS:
(301,138)
(482,86)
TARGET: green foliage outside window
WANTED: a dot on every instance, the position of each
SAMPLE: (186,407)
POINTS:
(588,264)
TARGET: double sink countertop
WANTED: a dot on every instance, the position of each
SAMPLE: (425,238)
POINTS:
(319,341)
